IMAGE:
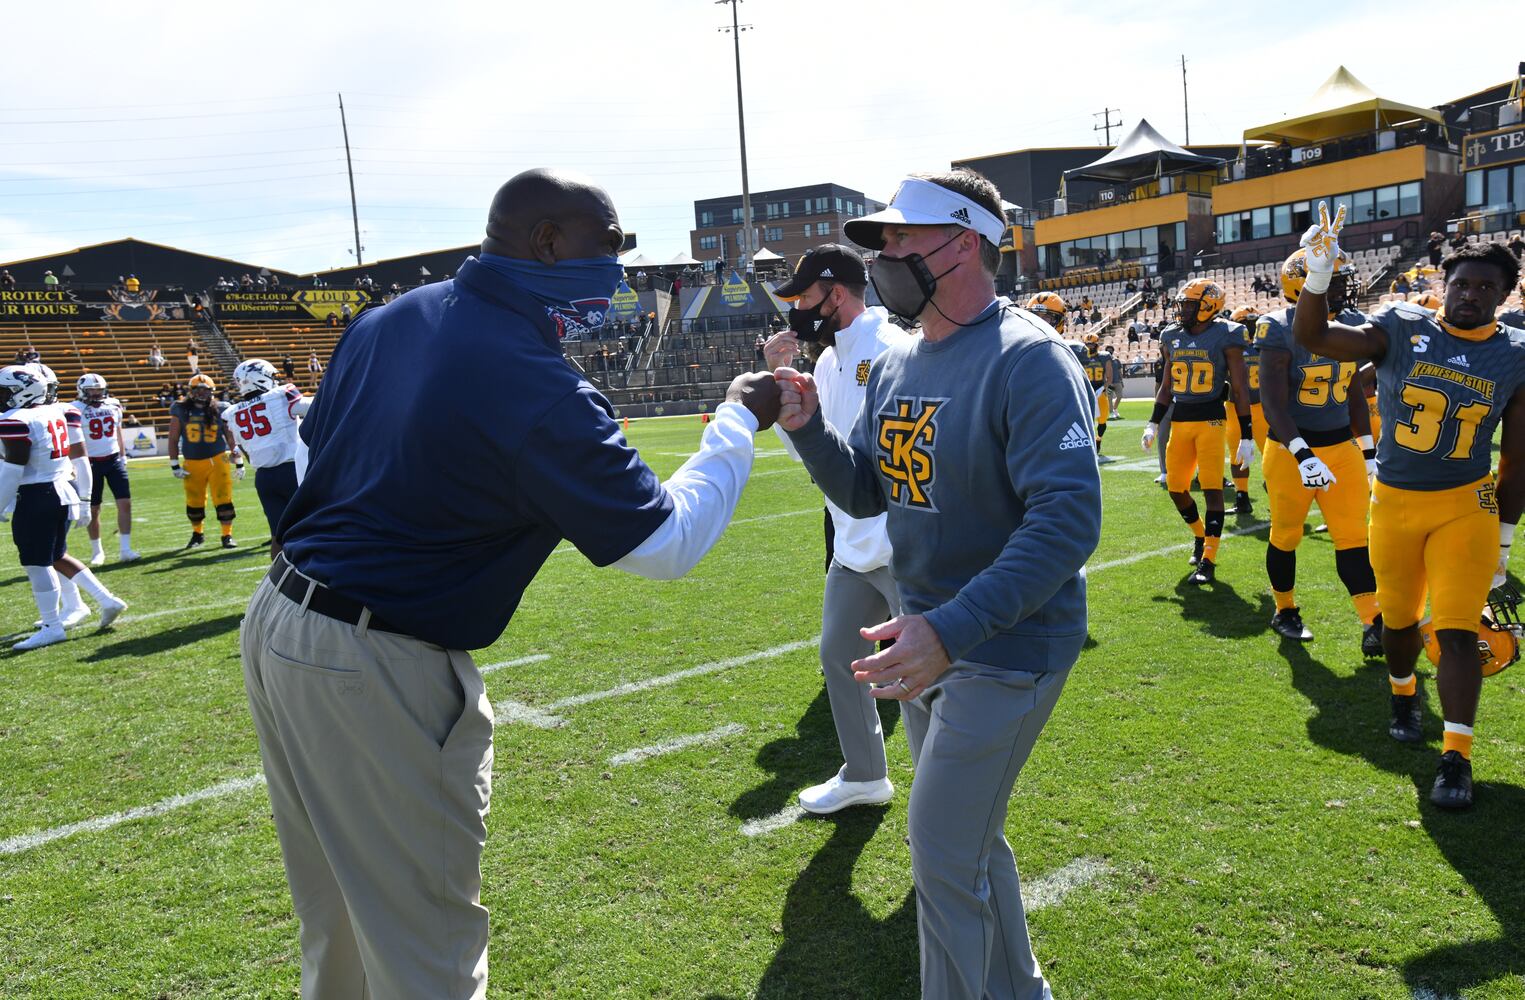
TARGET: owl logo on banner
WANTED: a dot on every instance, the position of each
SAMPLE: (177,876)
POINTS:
(907,441)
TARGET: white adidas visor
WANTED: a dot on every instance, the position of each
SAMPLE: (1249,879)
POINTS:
(919,202)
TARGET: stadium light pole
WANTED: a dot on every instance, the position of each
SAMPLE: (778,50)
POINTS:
(736,29)
(349,165)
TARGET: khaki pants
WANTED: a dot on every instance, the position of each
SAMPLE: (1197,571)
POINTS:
(378,754)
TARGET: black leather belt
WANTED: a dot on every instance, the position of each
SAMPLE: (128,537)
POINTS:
(294,586)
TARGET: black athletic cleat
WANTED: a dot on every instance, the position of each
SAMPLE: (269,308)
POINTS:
(1288,623)
(1196,484)
(1196,552)
(228,542)
(1406,721)
(1242,504)
(1204,573)
(1453,782)
(196,540)
(1371,640)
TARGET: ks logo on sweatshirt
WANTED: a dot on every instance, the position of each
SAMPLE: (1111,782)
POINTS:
(907,445)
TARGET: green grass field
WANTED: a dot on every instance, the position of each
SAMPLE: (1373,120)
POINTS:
(1226,815)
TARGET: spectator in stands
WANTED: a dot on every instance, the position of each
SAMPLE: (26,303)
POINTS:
(758,347)
(1400,284)
(331,320)
(317,282)
(1517,246)
(50,279)
(260,282)
(1131,286)
(396,289)
(275,280)
(346,313)
(1095,315)
(7,281)
(27,356)
(246,283)
(132,284)
(191,356)
(1458,240)
(640,280)
(677,283)
(1133,329)
(1436,245)
(315,367)
(1154,332)
(288,367)
(155,357)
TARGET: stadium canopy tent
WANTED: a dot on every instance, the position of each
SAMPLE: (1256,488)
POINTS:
(1142,153)
(765,255)
(1342,106)
(682,260)
(638,260)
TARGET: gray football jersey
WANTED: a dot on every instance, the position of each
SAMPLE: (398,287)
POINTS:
(1317,387)
(1198,363)
(1441,396)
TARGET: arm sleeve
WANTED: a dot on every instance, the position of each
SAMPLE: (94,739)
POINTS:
(577,475)
(10,481)
(1387,319)
(83,484)
(1061,491)
(783,438)
(704,492)
(843,468)
(76,424)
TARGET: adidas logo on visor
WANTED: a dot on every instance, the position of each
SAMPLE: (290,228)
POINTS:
(1075,437)
(962,215)
(826,273)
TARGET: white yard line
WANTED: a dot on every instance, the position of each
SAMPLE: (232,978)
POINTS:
(635,687)
(1050,889)
(521,661)
(188,609)
(529,715)
(676,744)
(27,841)
(779,820)
(1182,547)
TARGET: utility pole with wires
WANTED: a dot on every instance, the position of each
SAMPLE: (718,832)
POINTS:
(1185,106)
(354,210)
(1107,124)
(736,29)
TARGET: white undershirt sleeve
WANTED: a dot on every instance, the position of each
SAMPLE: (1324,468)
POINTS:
(10,481)
(788,445)
(704,494)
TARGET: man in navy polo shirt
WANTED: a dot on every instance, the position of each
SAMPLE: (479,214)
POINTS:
(421,519)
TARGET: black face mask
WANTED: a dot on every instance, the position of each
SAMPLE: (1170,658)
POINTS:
(905,284)
(811,327)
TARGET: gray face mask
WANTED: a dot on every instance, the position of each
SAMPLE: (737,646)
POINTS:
(905,284)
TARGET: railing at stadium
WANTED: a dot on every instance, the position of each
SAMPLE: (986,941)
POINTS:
(1268,160)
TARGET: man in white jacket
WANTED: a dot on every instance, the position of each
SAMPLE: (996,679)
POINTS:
(827,291)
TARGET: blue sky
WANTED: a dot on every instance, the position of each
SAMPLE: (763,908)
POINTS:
(215,127)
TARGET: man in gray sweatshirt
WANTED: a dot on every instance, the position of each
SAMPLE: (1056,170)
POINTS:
(975,438)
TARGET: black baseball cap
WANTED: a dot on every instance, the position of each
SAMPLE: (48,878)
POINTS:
(827,262)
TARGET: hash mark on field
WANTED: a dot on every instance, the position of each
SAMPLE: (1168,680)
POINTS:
(716,667)
(125,619)
(779,820)
(1050,889)
(676,744)
(517,711)
(27,841)
(521,661)
(1182,547)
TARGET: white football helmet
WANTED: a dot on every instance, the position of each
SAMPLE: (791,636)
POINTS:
(92,388)
(253,377)
(20,387)
(49,379)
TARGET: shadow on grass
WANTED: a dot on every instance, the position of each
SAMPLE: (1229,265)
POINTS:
(199,558)
(1482,844)
(1220,610)
(160,642)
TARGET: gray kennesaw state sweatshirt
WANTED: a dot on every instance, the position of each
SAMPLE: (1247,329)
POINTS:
(979,446)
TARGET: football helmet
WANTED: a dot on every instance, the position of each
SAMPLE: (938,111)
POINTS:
(254,377)
(1048,307)
(1430,301)
(21,386)
(201,388)
(92,388)
(49,379)
(1198,301)
(1294,273)
(1498,634)
(1245,316)
(1092,341)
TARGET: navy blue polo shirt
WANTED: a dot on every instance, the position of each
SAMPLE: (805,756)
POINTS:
(451,447)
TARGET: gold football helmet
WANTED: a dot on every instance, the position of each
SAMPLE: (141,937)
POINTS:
(1198,301)
(1048,306)
(1294,273)
(1498,634)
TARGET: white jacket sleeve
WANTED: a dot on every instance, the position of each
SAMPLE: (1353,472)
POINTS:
(704,494)
(788,445)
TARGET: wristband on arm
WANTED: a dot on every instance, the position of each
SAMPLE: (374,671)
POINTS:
(1245,431)
(1159,413)
(1368,448)
(1299,449)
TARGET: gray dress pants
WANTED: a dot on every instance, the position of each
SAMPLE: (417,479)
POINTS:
(855,600)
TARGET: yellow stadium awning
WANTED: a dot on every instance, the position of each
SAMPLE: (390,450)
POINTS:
(1342,106)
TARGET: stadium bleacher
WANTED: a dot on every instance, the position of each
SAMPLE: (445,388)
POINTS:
(117,351)
(272,339)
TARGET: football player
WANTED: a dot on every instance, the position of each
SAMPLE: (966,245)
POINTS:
(1246,317)
(1049,307)
(264,424)
(1515,317)
(196,428)
(38,464)
(1100,368)
(106,446)
(1438,520)
(1199,353)
(1319,433)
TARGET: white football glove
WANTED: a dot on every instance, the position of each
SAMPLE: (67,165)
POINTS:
(238,472)
(1316,475)
(1506,538)
(179,472)
(1322,241)
(1147,441)
(1245,454)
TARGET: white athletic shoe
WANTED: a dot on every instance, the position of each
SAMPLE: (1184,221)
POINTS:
(131,555)
(829,796)
(45,636)
(98,559)
(68,619)
(1160,479)
(110,609)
